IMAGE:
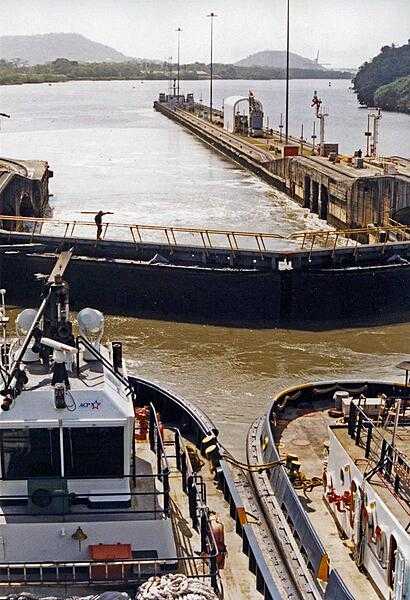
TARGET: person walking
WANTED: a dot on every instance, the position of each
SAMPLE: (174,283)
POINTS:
(98,221)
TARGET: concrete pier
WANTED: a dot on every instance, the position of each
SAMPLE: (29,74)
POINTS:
(332,187)
(24,187)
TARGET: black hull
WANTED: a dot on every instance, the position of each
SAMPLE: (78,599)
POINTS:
(314,298)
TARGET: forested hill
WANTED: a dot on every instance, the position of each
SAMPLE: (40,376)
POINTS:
(391,64)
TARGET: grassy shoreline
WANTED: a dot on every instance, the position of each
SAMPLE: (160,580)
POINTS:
(61,70)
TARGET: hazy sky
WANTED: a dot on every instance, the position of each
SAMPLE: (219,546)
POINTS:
(346,32)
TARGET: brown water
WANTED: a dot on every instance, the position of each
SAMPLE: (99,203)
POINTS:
(110,150)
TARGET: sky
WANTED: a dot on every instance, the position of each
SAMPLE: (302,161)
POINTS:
(345,32)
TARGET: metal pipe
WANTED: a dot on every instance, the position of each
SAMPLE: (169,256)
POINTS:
(212,16)
(178,66)
(287,74)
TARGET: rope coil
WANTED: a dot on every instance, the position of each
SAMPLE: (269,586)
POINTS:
(175,587)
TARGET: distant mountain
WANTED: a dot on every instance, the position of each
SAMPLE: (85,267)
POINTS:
(39,49)
(277,59)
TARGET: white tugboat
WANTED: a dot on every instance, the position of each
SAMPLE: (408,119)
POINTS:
(95,491)
(344,489)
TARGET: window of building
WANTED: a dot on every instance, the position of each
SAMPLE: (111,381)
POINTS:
(27,453)
(94,452)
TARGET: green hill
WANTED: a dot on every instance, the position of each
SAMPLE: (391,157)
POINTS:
(394,96)
(389,66)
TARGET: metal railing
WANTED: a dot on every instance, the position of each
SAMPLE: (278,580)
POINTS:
(140,234)
(262,156)
(88,572)
(204,238)
(383,457)
(336,238)
(192,485)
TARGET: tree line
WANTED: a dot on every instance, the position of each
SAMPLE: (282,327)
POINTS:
(62,69)
(385,81)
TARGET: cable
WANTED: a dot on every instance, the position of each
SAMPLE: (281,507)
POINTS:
(73,406)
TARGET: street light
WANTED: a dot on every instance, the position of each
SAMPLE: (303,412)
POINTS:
(287,75)
(212,16)
(179,46)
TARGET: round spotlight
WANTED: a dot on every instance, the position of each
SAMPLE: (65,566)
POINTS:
(24,321)
(91,324)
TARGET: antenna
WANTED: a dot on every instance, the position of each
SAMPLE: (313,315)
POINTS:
(375,117)
(314,136)
(302,141)
(321,115)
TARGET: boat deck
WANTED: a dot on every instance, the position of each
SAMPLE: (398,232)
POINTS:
(237,581)
(304,433)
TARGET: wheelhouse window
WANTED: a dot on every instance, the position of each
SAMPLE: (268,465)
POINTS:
(27,453)
(94,452)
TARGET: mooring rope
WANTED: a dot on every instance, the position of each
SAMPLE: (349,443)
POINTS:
(175,587)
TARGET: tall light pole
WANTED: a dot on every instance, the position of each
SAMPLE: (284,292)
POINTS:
(212,16)
(287,75)
(179,47)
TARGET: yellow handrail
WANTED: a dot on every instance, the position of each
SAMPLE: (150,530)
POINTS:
(328,238)
(232,238)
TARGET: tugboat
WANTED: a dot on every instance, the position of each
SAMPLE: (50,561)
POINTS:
(343,488)
(100,487)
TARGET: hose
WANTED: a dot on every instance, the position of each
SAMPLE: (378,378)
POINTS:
(175,587)
(251,468)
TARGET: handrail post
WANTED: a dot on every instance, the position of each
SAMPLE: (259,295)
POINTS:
(204,531)
(368,441)
(192,502)
(359,428)
(151,430)
(158,450)
(383,455)
(178,450)
(351,424)
(166,489)
(214,572)
(184,472)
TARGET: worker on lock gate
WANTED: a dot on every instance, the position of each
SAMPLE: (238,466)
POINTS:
(98,221)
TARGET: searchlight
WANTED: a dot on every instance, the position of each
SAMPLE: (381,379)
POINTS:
(91,324)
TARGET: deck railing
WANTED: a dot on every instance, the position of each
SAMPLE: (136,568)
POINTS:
(104,573)
(383,457)
(337,238)
(144,234)
(203,238)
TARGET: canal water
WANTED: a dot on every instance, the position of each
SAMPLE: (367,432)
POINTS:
(109,150)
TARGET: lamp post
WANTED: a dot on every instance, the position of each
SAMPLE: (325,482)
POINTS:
(212,16)
(287,75)
(179,47)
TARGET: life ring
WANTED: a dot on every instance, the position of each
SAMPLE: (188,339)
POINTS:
(218,531)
